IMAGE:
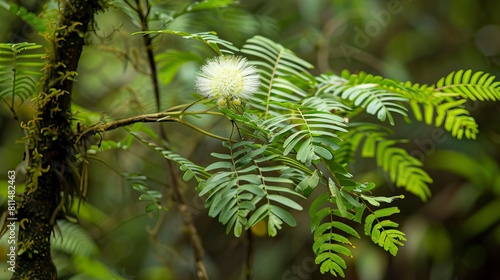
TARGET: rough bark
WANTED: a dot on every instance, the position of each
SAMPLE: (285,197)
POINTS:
(52,178)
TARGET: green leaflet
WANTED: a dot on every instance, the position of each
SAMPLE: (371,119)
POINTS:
(335,192)
(330,265)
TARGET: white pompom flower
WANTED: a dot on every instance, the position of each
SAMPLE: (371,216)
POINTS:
(228,78)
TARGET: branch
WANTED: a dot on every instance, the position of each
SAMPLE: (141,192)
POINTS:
(100,127)
(157,117)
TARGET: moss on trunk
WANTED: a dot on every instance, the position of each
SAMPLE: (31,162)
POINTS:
(53,177)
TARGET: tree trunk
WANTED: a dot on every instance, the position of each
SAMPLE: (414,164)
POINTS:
(53,165)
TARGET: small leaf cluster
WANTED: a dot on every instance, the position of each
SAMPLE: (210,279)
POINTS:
(152,197)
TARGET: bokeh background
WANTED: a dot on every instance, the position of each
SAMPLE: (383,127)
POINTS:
(455,235)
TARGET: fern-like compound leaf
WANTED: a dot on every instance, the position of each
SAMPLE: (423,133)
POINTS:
(284,76)
(384,232)
(209,39)
(190,169)
(474,86)
(443,104)
(403,169)
(309,133)
(380,97)
(446,112)
(20,66)
(247,188)
(330,238)
(73,240)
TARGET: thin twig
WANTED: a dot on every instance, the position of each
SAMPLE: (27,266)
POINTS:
(148,43)
(189,222)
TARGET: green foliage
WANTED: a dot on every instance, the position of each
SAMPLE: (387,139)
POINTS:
(384,232)
(209,4)
(74,250)
(170,62)
(248,188)
(403,169)
(209,39)
(329,237)
(31,18)
(374,93)
(190,169)
(474,86)
(72,239)
(152,197)
(283,75)
(308,132)
(443,108)
(298,133)
(168,16)
(90,268)
(442,103)
(19,67)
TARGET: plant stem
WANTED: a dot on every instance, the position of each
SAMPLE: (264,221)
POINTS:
(183,208)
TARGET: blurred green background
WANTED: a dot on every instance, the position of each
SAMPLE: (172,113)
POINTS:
(455,235)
